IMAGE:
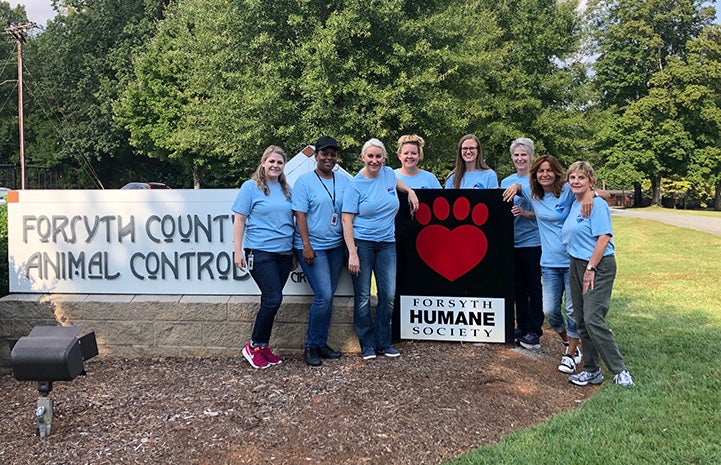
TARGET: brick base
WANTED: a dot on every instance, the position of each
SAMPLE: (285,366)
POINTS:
(129,326)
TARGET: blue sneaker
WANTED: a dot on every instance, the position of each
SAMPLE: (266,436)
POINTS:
(517,334)
(530,341)
(584,378)
(391,352)
(368,353)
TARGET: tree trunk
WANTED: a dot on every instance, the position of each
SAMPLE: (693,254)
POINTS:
(196,178)
(637,195)
(717,197)
(656,190)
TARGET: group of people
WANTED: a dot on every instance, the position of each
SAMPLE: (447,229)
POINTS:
(563,243)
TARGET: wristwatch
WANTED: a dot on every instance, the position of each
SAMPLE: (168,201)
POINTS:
(590,268)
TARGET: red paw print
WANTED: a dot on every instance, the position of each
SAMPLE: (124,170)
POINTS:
(452,253)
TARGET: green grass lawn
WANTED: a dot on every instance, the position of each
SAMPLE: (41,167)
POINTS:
(666,316)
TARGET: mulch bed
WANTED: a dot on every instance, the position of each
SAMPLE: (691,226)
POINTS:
(429,406)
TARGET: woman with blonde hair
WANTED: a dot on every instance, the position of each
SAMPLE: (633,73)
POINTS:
(589,242)
(471,172)
(410,153)
(263,244)
(370,204)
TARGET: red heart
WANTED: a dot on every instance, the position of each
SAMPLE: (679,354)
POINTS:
(451,253)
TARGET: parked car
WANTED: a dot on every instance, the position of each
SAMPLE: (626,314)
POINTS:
(145,185)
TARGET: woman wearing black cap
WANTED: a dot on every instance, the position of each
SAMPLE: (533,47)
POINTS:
(319,247)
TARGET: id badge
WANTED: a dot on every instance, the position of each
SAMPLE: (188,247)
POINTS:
(249,262)
(334,219)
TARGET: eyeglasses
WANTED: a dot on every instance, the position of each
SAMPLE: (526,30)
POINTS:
(469,149)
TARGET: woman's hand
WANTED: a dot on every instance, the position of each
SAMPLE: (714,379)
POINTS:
(354,264)
(308,254)
(240,260)
(517,210)
(412,201)
(511,191)
(589,276)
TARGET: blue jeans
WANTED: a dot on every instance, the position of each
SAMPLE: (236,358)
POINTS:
(378,258)
(322,276)
(270,272)
(555,283)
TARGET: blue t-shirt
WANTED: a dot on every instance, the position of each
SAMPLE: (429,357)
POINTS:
(551,212)
(321,200)
(476,179)
(580,234)
(422,180)
(269,225)
(374,202)
(525,230)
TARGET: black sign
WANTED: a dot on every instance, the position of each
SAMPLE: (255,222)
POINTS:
(455,267)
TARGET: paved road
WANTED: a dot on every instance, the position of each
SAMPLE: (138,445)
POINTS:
(700,223)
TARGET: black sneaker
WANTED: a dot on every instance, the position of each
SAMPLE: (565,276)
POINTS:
(517,334)
(312,357)
(530,341)
(326,352)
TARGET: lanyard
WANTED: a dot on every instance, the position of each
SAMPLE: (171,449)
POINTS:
(332,197)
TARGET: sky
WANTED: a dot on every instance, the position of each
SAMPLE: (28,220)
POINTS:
(40,11)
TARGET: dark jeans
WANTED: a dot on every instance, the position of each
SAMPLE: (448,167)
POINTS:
(528,291)
(270,272)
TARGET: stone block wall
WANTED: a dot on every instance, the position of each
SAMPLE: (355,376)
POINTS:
(130,326)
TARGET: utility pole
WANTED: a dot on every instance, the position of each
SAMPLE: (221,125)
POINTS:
(17,32)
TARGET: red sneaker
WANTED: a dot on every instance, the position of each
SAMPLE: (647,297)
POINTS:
(270,357)
(255,356)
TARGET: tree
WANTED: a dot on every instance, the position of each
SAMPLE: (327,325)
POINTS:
(223,79)
(76,68)
(641,46)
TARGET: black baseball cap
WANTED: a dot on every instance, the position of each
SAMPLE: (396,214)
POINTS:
(325,142)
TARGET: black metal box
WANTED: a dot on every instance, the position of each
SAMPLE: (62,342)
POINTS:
(48,353)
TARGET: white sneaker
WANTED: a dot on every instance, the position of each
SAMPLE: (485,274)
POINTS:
(577,356)
(567,365)
(623,379)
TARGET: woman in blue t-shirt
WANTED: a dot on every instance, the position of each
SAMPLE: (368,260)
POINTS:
(551,199)
(263,242)
(410,153)
(589,242)
(471,172)
(370,204)
(319,248)
(526,251)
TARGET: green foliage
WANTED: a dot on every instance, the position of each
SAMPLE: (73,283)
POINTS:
(75,70)
(9,145)
(223,79)
(657,74)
